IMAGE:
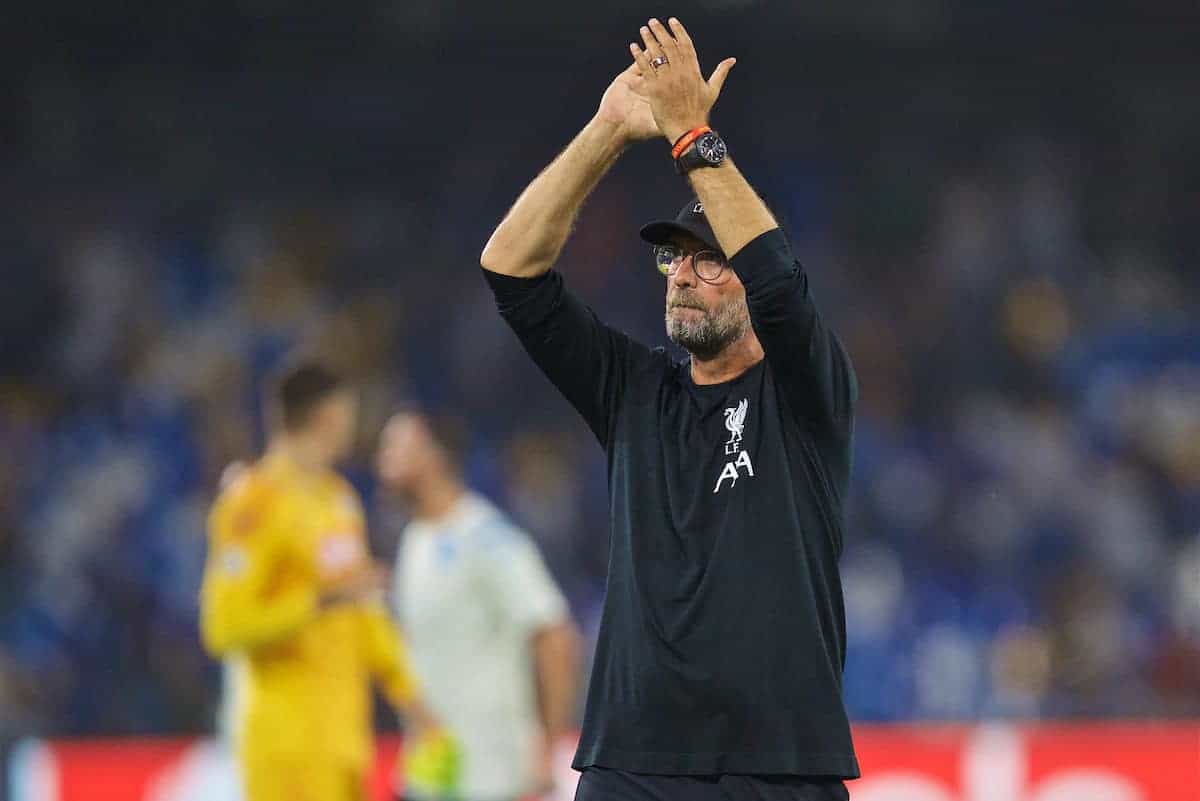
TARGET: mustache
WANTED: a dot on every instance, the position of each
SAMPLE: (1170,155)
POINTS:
(683,301)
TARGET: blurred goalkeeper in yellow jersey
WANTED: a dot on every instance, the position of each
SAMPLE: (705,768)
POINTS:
(293,601)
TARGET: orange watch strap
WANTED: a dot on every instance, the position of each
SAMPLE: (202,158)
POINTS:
(685,141)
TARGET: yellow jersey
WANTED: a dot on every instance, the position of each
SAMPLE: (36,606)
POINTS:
(280,536)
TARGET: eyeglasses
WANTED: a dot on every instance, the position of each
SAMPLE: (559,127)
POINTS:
(709,265)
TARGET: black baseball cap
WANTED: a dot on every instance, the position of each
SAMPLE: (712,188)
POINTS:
(689,220)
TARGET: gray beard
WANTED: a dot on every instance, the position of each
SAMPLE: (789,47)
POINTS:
(705,337)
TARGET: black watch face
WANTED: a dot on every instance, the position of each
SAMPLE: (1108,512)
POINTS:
(711,148)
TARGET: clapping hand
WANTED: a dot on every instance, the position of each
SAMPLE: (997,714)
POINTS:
(669,78)
(625,105)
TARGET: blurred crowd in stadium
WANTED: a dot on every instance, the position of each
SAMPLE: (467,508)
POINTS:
(1009,258)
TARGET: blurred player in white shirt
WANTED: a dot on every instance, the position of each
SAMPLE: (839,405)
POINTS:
(490,636)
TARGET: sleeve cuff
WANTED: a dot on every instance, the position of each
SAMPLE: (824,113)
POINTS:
(767,254)
(525,302)
(509,286)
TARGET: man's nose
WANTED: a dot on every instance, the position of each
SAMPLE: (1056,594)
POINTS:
(685,275)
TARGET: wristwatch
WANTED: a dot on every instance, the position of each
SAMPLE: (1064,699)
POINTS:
(702,147)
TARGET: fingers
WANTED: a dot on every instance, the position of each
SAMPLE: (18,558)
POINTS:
(720,74)
(652,46)
(682,39)
(641,60)
(665,40)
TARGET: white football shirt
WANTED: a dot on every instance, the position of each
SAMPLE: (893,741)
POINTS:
(471,590)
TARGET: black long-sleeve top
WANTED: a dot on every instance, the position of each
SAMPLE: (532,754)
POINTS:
(722,641)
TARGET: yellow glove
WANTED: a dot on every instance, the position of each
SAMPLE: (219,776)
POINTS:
(431,767)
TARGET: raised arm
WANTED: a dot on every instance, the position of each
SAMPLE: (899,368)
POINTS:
(811,363)
(680,100)
(585,359)
(533,233)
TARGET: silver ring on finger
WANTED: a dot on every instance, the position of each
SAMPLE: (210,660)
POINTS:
(658,61)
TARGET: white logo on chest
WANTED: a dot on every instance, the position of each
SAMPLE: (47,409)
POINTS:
(735,421)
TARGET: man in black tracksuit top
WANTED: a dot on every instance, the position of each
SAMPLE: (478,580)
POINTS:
(719,663)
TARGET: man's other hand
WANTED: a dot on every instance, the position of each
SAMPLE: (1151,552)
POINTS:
(625,105)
